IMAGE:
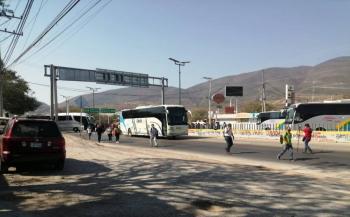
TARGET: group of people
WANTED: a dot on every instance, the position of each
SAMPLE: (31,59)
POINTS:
(111,130)
(114,130)
(286,139)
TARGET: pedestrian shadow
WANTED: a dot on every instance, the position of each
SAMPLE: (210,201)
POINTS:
(245,152)
(322,152)
(306,158)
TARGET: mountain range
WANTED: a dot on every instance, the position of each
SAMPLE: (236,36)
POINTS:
(325,81)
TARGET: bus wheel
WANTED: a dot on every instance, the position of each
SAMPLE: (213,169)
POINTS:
(129,132)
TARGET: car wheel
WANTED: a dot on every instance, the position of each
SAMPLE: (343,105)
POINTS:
(3,167)
(59,165)
(75,129)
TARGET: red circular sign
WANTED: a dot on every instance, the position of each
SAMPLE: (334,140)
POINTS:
(218,98)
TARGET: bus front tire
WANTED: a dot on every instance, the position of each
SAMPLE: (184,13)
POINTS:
(129,132)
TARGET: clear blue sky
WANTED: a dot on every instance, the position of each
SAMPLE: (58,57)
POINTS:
(220,38)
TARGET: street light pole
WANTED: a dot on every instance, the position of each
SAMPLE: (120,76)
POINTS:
(179,63)
(67,103)
(93,95)
(209,101)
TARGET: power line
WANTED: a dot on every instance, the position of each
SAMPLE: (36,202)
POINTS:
(4,39)
(34,21)
(67,38)
(63,13)
(20,26)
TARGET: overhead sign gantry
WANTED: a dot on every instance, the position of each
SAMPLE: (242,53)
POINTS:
(99,76)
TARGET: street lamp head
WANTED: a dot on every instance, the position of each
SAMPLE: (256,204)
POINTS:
(208,78)
(172,59)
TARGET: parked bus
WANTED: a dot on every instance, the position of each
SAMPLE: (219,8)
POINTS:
(320,116)
(170,120)
(271,120)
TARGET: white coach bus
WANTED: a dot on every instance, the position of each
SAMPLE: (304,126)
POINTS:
(320,116)
(170,120)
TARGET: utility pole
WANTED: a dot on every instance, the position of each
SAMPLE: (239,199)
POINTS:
(263,96)
(93,94)
(209,101)
(179,63)
(313,91)
(67,103)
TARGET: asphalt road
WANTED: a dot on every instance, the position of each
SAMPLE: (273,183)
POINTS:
(257,150)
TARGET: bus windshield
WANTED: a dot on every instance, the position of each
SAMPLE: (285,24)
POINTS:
(264,116)
(177,116)
(289,116)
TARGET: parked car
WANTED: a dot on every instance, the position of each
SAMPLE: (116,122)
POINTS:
(36,141)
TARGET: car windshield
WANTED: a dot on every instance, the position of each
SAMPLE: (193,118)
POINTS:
(36,129)
(177,116)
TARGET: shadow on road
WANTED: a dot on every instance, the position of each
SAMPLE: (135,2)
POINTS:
(158,187)
(306,158)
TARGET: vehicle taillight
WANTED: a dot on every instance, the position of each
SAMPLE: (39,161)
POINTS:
(60,144)
(5,145)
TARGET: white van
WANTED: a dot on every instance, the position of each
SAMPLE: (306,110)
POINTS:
(67,123)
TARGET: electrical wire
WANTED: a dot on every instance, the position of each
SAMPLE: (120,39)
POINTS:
(20,26)
(79,28)
(4,39)
(65,29)
(34,21)
(59,17)
(5,22)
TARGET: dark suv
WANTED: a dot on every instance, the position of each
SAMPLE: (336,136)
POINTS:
(27,141)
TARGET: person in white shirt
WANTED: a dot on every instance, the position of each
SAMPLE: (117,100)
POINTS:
(153,134)
(228,135)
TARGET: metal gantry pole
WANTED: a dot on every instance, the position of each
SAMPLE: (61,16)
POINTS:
(55,93)
(52,109)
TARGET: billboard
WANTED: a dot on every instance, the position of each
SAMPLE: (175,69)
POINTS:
(234,91)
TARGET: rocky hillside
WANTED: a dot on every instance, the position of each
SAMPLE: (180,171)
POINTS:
(327,80)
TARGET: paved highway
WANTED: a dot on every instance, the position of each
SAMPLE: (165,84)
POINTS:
(323,157)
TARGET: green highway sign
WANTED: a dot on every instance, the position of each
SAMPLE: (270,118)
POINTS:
(91,110)
(99,110)
(107,110)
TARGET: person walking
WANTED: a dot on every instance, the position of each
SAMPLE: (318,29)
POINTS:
(89,131)
(109,133)
(116,132)
(288,145)
(153,134)
(228,135)
(307,138)
(99,131)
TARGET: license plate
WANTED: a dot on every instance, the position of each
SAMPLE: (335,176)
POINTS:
(35,145)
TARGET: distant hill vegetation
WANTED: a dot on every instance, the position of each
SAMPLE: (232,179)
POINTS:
(325,81)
